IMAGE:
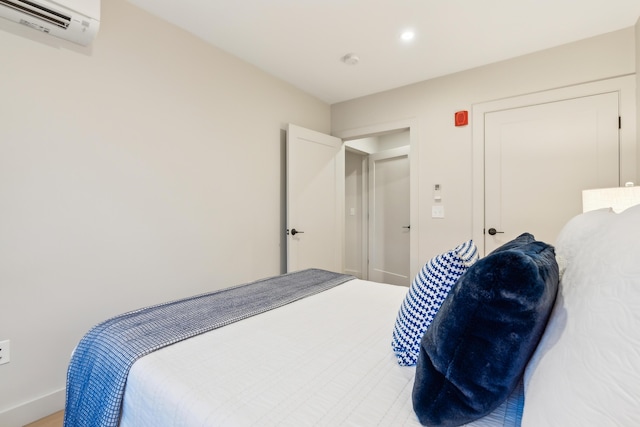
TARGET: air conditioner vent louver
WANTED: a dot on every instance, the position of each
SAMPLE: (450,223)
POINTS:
(75,20)
(40,12)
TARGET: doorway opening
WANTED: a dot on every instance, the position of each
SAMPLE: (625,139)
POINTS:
(377,207)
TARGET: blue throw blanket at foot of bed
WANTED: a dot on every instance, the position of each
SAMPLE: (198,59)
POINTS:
(100,363)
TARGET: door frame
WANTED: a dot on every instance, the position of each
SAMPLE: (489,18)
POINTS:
(362,214)
(414,216)
(624,85)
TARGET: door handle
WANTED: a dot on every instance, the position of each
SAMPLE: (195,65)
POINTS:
(406,226)
(294,232)
(493,231)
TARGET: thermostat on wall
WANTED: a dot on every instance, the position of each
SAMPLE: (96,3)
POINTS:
(437,192)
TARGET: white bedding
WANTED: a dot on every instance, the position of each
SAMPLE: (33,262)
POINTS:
(586,370)
(325,360)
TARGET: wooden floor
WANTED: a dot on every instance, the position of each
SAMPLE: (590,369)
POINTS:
(53,420)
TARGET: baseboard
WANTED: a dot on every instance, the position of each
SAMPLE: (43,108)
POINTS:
(34,410)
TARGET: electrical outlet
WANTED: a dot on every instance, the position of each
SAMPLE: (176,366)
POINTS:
(4,352)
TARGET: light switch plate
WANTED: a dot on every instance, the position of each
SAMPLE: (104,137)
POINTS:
(437,211)
(5,353)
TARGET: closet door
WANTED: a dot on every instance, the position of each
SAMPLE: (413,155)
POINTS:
(539,158)
(389,227)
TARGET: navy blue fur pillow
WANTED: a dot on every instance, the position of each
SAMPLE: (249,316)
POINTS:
(475,351)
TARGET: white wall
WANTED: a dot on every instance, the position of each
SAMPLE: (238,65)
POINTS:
(146,168)
(445,151)
(637,34)
(378,143)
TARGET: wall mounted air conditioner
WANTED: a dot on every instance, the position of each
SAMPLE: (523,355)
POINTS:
(73,20)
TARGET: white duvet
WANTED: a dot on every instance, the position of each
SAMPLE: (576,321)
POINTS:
(325,360)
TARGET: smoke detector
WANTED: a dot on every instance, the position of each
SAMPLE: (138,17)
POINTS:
(351,59)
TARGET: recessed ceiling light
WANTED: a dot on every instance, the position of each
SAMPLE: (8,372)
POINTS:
(408,35)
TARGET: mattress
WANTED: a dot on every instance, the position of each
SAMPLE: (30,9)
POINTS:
(325,360)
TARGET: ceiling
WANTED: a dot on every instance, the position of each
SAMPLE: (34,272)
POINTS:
(303,41)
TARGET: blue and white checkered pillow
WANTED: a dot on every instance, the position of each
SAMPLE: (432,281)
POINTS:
(424,298)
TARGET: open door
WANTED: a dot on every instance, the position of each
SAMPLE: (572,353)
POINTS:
(315,200)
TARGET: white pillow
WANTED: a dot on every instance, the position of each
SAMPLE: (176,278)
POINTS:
(586,369)
(578,230)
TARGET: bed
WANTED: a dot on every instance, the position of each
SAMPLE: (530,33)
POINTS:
(326,358)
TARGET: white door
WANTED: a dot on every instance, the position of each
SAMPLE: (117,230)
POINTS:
(539,158)
(389,217)
(315,200)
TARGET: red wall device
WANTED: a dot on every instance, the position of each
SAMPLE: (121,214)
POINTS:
(462,118)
